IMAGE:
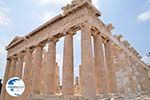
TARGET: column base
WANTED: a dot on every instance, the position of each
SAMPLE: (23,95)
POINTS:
(110,96)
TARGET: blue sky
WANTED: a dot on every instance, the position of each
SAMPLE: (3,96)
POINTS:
(131,18)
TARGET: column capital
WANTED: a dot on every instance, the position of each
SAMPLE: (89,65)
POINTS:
(53,39)
(72,30)
(97,34)
(85,25)
(95,31)
(13,57)
(41,44)
(30,49)
(70,33)
(21,54)
(8,58)
(105,41)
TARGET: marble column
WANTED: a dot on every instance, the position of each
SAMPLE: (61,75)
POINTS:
(111,77)
(12,67)
(37,65)
(19,65)
(28,72)
(57,79)
(87,68)
(50,81)
(3,92)
(68,74)
(11,74)
(80,80)
(100,70)
(43,69)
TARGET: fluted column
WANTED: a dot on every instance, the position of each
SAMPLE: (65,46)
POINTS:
(43,69)
(50,82)
(19,65)
(3,92)
(68,75)
(80,80)
(111,77)
(28,72)
(11,74)
(100,70)
(12,67)
(57,79)
(87,68)
(37,65)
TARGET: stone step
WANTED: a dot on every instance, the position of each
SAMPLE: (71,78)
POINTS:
(143,97)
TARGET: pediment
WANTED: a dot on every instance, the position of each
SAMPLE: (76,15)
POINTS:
(15,40)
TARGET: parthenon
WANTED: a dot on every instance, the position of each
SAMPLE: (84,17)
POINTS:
(112,69)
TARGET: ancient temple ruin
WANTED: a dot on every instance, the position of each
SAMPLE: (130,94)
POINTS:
(115,69)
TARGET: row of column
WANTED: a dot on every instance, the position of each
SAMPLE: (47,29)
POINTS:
(13,69)
(104,66)
(99,70)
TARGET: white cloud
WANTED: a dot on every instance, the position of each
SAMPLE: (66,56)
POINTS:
(4,18)
(4,21)
(52,2)
(145,16)
(2,56)
(44,2)
(60,2)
